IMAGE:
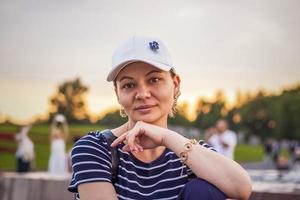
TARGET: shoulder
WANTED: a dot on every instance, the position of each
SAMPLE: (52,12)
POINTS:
(91,160)
(93,143)
(213,138)
(230,137)
(230,134)
(92,136)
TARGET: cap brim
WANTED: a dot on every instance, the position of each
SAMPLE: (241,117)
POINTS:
(116,70)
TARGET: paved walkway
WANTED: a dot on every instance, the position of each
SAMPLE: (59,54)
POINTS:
(267,179)
(258,165)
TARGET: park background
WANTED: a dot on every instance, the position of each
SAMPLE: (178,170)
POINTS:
(238,60)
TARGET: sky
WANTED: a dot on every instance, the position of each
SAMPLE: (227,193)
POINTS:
(230,45)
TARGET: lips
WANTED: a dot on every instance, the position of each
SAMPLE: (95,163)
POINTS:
(144,107)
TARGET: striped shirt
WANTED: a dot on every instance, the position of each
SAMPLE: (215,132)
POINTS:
(163,178)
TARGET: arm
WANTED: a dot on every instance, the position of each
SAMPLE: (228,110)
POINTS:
(52,128)
(97,191)
(224,144)
(65,130)
(92,169)
(224,173)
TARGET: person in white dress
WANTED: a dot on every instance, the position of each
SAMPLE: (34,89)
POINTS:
(224,140)
(58,134)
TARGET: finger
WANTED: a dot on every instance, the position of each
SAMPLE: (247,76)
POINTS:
(131,139)
(126,148)
(140,148)
(119,140)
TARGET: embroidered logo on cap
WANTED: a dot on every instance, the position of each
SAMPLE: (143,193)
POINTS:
(154,45)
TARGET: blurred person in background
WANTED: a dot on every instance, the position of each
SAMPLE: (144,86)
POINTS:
(154,161)
(296,158)
(268,152)
(294,150)
(224,140)
(25,150)
(209,133)
(276,149)
(58,134)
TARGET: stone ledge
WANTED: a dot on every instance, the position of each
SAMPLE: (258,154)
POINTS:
(43,186)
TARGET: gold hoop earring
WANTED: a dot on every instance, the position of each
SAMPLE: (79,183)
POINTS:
(122,112)
(174,109)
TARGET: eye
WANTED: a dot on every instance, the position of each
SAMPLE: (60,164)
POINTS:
(128,85)
(154,80)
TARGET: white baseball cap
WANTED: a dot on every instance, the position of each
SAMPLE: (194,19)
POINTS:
(143,49)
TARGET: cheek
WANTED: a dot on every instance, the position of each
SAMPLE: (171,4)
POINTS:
(125,100)
(165,96)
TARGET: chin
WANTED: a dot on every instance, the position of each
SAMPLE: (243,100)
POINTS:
(149,118)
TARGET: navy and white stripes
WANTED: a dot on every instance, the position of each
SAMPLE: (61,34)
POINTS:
(161,179)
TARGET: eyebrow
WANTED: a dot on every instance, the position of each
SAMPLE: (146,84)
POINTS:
(153,71)
(125,77)
(128,77)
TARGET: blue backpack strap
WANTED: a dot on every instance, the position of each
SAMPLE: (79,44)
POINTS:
(110,137)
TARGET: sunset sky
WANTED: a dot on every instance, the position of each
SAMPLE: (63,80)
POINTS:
(230,45)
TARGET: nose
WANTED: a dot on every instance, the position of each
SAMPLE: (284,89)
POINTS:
(143,93)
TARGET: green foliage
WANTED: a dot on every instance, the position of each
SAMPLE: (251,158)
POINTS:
(257,115)
(9,128)
(69,100)
(272,116)
(287,117)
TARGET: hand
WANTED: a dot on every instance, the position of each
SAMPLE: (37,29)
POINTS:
(142,136)
(224,144)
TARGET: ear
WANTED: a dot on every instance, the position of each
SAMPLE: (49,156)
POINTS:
(176,81)
(116,91)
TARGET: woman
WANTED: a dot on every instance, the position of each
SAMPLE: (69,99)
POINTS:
(58,134)
(154,161)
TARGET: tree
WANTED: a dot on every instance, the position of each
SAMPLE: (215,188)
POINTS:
(287,115)
(208,112)
(270,115)
(257,115)
(69,100)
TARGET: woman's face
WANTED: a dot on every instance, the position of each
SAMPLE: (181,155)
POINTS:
(146,93)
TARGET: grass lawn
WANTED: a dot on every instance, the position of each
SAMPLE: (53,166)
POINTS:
(248,153)
(40,136)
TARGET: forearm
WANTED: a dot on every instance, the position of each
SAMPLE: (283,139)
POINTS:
(224,173)
(97,191)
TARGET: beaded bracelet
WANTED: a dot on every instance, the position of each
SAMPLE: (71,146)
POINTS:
(187,148)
